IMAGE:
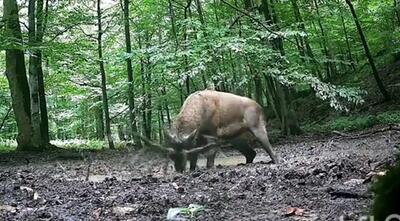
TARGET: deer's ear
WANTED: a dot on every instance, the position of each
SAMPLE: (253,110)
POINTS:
(191,138)
(170,137)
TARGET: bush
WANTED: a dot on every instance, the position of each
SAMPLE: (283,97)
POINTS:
(7,145)
(351,123)
(80,144)
(387,190)
(389,117)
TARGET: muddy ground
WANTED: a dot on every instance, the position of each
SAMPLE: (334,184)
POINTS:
(325,176)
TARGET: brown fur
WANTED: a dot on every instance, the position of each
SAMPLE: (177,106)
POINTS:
(221,115)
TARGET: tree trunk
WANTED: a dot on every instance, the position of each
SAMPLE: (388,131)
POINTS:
(103,78)
(16,76)
(148,104)
(258,90)
(33,73)
(185,39)
(40,29)
(378,80)
(171,13)
(131,98)
(202,21)
(160,122)
(330,67)
(164,93)
(350,55)
(99,121)
(397,10)
(39,113)
(143,78)
(289,123)
(304,42)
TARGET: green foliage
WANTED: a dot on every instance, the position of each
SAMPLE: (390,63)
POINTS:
(76,144)
(389,117)
(228,50)
(7,145)
(387,198)
(358,122)
(350,123)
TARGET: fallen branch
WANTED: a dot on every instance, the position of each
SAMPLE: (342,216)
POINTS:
(345,194)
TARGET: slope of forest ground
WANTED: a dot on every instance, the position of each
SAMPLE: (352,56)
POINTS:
(327,176)
(317,117)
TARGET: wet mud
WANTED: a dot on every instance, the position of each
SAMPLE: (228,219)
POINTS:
(321,178)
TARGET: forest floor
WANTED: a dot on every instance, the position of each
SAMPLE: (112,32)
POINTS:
(319,178)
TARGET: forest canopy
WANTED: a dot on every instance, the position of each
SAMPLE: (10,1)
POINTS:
(112,69)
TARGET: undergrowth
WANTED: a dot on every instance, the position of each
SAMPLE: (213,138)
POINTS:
(352,123)
(387,195)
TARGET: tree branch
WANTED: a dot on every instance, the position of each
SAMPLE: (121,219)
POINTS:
(88,35)
(267,28)
(118,114)
(257,21)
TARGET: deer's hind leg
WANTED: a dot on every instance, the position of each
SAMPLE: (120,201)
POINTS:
(244,147)
(261,134)
(211,158)
(256,125)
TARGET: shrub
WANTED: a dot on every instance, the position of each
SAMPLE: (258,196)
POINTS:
(387,198)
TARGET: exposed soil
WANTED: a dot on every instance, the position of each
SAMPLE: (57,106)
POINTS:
(327,177)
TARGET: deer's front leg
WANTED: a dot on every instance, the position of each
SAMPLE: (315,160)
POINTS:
(193,161)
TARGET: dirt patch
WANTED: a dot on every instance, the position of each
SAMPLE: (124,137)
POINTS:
(325,178)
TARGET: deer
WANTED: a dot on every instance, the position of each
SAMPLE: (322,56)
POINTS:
(209,119)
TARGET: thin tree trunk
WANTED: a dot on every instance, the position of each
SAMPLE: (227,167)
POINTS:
(258,90)
(40,29)
(202,21)
(171,13)
(103,78)
(131,98)
(185,39)
(160,122)
(329,66)
(164,93)
(378,80)
(347,41)
(289,123)
(38,98)
(33,73)
(148,104)
(143,78)
(99,120)
(16,76)
(304,42)
(397,10)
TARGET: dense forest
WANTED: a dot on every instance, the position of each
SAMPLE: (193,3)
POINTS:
(110,69)
(93,82)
